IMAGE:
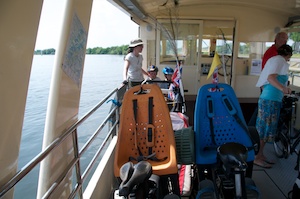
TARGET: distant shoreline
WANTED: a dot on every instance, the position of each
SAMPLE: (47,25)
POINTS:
(114,50)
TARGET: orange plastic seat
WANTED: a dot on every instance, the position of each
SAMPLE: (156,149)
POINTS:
(146,131)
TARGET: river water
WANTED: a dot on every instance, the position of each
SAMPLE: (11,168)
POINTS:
(102,73)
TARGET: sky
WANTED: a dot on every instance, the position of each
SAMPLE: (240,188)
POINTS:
(109,26)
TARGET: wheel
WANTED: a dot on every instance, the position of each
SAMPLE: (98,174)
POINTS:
(221,70)
(281,146)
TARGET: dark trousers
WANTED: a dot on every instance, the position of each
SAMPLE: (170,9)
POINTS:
(132,83)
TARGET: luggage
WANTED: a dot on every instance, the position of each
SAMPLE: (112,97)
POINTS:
(184,137)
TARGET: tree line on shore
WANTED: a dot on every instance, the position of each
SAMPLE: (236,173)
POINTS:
(114,50)
(122,50)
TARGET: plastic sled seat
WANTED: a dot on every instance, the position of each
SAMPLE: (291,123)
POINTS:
(145,131)
(218,119)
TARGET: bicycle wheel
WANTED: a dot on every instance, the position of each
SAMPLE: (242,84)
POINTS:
(281,145)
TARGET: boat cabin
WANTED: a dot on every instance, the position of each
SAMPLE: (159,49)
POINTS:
(239,31)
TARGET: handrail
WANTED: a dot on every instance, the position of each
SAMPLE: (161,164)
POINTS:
(75,162)
(93,161)
(293,75)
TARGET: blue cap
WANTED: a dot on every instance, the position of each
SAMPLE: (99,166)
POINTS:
(168,70)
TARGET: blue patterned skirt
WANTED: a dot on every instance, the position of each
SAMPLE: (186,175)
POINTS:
(267,119)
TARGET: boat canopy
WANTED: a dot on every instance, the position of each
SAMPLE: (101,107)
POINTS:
(146,10)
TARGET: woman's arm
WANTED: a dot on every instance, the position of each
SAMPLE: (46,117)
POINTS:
(126,66)
(272,79)
(145,73)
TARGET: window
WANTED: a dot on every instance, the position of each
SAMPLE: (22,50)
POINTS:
(181,40)
(205,47)
(224,47)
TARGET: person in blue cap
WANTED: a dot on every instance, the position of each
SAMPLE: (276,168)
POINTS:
(168,72)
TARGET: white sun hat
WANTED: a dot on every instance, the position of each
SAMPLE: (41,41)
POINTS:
(135,43)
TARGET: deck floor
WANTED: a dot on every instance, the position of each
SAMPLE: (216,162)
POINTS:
(278,181)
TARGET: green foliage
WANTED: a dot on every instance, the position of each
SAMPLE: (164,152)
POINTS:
(50,51)
(115,50)
(244,49)
(295,36)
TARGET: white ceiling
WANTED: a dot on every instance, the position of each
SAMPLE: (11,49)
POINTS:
(152,8)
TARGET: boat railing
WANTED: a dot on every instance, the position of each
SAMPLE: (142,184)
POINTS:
(112,121)
(294,71)
(293,75)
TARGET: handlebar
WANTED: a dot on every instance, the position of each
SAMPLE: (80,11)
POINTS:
(293,94)
(158,81)
(289,99)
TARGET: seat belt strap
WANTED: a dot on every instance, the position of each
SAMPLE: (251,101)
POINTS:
(210,115)
(150,135)
(134,105)
(232,111)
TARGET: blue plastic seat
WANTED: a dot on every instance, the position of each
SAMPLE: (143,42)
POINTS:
(218,112)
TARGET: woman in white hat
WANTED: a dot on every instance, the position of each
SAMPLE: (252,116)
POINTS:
(133,71)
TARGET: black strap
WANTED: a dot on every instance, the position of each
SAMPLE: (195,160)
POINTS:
(134,105)
(134,102)
(150,121)
(232,111)
(210,114)
(151,156)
